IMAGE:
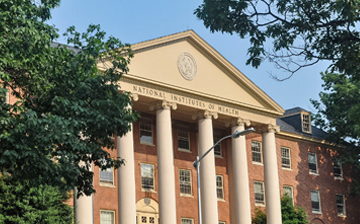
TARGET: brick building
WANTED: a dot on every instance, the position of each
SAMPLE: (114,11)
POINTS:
(189,97)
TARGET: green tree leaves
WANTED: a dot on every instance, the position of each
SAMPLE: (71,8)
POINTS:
(302,32)
(68,98)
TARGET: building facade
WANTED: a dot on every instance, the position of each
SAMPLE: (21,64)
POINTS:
(189,97)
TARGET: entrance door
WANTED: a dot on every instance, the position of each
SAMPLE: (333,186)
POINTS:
(147,211)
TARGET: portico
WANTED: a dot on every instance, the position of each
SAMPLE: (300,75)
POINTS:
(181,79)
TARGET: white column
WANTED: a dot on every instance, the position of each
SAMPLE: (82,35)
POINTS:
(272,191)
(126,180)
(241,177)
(84,207)
(165,155)
(207,170)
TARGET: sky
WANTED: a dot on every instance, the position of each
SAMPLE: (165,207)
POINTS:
(134,21)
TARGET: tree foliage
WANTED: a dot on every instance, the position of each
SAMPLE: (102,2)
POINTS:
(68,101)
(302,32)
(21,203)
(289,213)
(339,114)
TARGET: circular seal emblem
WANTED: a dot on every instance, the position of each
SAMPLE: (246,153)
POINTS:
(187,66)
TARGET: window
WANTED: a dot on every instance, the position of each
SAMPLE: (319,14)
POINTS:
(219,187)
(288,190)
(107,176)
(146,132)
(217,149)
(256,152)
(306,126)
(221,222)
(315,201)
(337,169)
(147,176)
(183,140)
(186,221)
(185,182)
(312,163)
(107,217)
(285,158)
(340,205)
(259,193)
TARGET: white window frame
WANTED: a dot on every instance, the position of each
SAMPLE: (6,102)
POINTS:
(104,181)
(217,149)
(316,164)
(220,188)
(283,165)
(7,97)
(185,183)
(318,195)
(340,177)
(187,221)
(151,176)
(306,123)
(102,211)
(291,194)
(341,204)
(148,122)
(182,138)
(252,152)
(259,203)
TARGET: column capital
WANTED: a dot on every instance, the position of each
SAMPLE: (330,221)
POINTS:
(205,114)
(163,105)
(134,96)
(272,128)
(238,122)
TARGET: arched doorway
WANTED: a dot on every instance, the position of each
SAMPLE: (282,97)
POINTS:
(147,211)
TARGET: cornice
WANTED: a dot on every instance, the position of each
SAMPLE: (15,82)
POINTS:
(305,138)
(132,79)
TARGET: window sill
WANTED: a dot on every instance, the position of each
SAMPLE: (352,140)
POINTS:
(257,163)
(318,213)
(147,143)
(315,174)
(338,178)
(186,195)
(216,156)
(259,205)
(221,200)
(151,191)
(342,216)
(107,185)
(289,169)
(184,150)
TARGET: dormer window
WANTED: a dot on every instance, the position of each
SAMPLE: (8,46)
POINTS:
(306,124)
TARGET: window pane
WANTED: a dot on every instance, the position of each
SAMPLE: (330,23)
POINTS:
(256,152)
(315,201)
(146,131)
(340,205)
(106,217)
(217,149)
(186,221)
(183,140)
(107,176)
(259,192)
(219,187)
(312,162)
(285,157)
(337,169)
(185,182)
(147,176)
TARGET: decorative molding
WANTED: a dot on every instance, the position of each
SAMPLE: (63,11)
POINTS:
(205,114)
(134,96)
(238,121)
(163,105)
(187,66)
(272,128)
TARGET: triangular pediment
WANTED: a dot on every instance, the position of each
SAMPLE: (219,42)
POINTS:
(186,63)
